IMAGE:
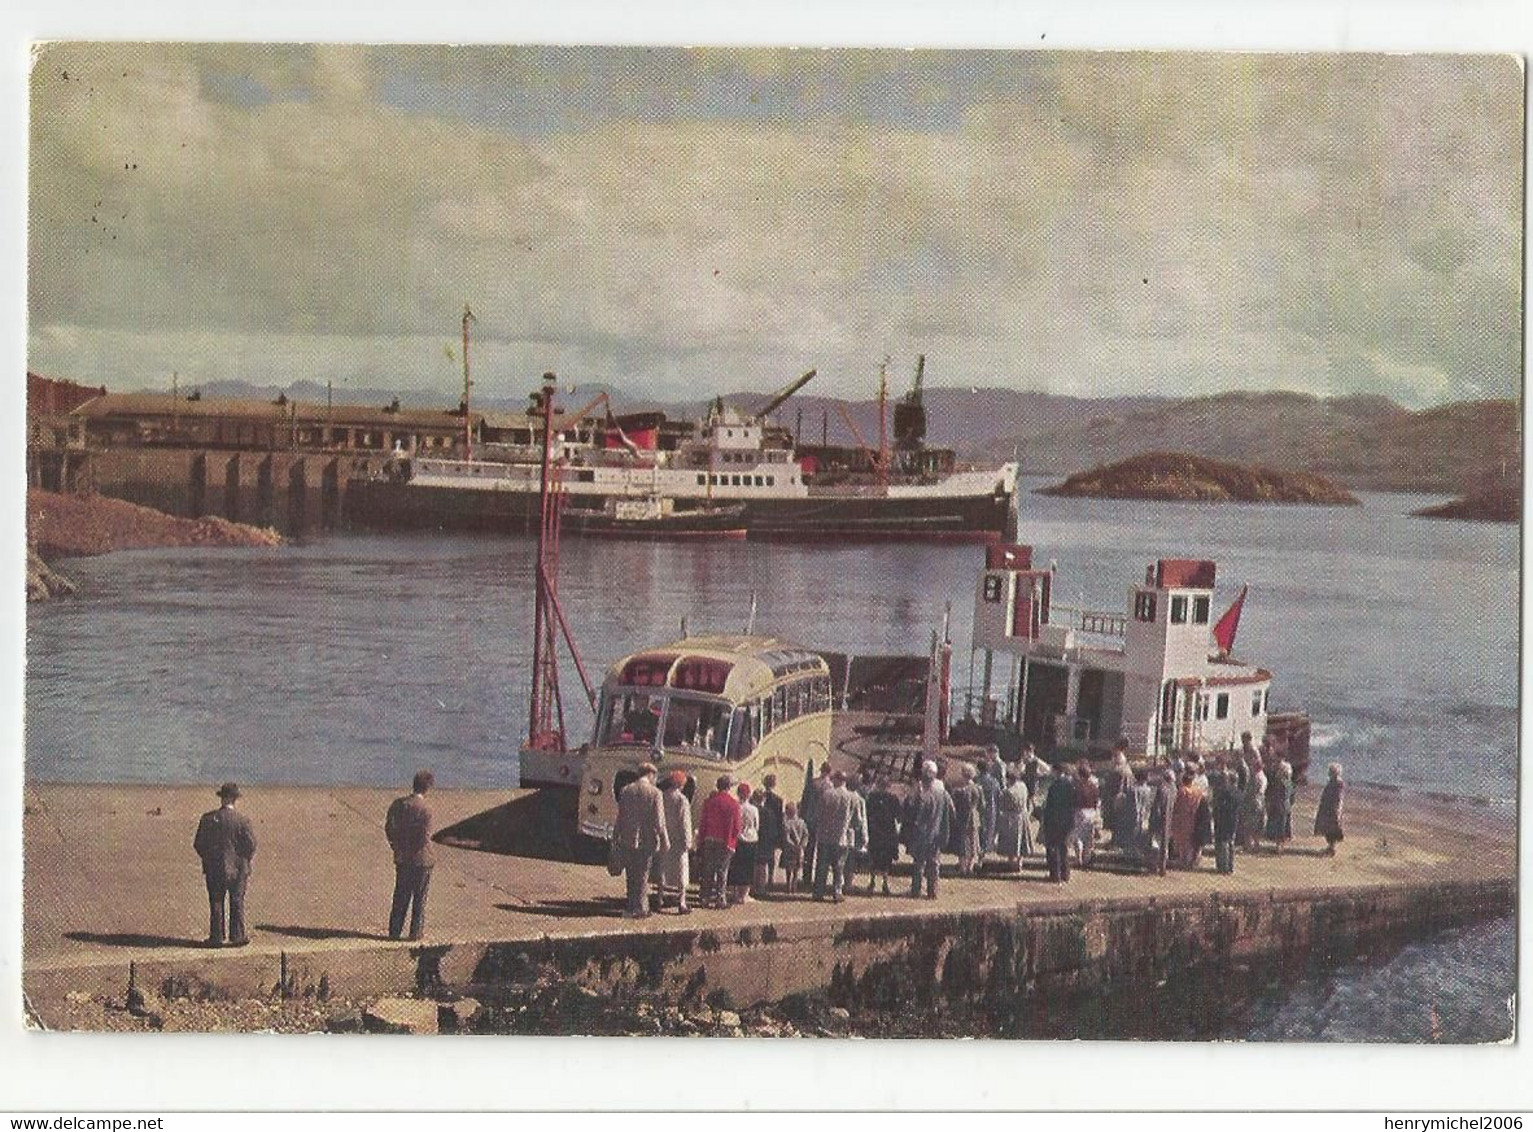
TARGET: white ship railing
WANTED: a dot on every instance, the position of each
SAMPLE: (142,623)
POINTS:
(1096,622)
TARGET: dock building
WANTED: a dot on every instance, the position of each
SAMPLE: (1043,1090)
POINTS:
(137,420)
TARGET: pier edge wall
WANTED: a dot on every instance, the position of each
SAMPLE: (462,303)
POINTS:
(1036,951)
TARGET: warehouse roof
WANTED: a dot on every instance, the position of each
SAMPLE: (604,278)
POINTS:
(309,412)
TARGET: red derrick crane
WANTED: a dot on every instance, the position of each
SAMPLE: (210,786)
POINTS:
(545,721)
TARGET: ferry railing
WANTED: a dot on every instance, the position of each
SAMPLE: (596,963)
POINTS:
(1096,622)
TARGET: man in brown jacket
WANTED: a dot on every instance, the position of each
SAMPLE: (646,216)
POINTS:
(408,828)
(226,843)
(638,835)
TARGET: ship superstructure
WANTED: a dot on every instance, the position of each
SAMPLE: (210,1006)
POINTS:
(1159,675)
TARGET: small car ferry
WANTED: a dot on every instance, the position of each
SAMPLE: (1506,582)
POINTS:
(1160,675)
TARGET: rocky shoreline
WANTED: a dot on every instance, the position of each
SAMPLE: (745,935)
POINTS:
(1211,998)
(1182,477)
(71,526)
(1494,505)
(44,583)
(550,1004)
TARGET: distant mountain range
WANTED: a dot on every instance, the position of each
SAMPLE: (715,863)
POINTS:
(1365,442)
(1362,442)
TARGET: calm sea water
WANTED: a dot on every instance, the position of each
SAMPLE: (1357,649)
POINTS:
(356,659)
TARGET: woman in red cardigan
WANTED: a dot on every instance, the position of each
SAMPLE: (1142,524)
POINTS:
(718,834)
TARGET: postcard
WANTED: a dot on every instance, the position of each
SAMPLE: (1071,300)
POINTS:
(755,542)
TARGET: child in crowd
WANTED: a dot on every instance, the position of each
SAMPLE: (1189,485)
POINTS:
(795,835)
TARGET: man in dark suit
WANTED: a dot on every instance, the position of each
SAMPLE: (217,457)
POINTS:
(226,843)
(1058,822)
(408,828)
(639,834)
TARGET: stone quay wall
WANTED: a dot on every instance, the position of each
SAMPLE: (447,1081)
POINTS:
(1035,953)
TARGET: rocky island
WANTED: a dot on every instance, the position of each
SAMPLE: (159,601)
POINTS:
(1180,476)
(1502,504)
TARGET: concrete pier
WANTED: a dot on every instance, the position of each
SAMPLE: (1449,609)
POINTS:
(110,877)
(292,491)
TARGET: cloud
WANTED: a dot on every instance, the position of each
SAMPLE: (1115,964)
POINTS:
(684,221)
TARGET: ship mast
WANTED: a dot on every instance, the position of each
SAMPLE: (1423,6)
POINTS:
(468,427)
(883,424)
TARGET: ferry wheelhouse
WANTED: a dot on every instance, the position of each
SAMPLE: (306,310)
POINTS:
(1079,680)
(708,705)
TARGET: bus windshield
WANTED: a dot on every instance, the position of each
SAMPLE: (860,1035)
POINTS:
(700,724)
(632,717)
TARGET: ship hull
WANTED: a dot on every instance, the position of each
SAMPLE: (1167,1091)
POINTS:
(686,525)
(376,504)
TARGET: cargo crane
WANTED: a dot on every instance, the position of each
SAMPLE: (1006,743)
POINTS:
(877,458)
(780,396)
(862,445)
(910,414)
(574,419)
(565,420)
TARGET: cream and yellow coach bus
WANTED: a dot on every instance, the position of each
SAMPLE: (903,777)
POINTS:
(739,705)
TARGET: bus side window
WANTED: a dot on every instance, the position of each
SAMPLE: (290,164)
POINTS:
(780,706)
(740,742)
(603,716)
(766,717)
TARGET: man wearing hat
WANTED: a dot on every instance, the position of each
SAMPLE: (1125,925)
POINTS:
(226,843)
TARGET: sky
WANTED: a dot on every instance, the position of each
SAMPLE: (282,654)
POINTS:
(683,222)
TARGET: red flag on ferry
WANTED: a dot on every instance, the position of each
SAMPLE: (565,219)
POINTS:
(1224,631)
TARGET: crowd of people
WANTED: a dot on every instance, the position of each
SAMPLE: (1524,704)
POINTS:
(845,829)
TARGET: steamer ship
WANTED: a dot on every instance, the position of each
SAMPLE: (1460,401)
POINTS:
(732,471)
